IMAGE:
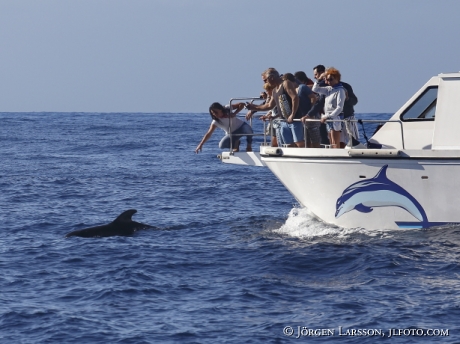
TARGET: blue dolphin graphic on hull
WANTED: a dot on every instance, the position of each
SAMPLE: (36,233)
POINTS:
(379,191)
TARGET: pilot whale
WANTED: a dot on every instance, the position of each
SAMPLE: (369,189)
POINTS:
(121,226)
(379,191)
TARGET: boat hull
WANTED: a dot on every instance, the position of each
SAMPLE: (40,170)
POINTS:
(373,193)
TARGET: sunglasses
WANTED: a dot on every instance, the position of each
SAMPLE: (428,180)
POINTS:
(329,79)
(266,79)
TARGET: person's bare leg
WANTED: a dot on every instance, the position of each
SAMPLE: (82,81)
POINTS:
(335,135)
(330,139)
(300,144)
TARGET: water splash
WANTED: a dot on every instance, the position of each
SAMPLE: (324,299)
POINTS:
(302,223)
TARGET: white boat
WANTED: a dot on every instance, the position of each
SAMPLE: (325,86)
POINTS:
(413,181)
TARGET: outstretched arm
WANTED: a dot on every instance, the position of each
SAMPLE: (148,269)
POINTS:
(262,107)
(206,137)
(237,107)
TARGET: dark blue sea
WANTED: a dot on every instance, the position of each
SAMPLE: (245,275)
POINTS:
(234,258)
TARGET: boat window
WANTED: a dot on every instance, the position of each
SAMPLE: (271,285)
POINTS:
(423,108)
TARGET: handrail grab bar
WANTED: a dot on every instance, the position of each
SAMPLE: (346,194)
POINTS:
(362,120)
(317,120)
(251,99)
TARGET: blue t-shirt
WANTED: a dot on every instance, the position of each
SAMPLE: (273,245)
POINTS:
(304,100)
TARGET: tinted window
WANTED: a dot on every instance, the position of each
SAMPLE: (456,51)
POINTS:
(423,108)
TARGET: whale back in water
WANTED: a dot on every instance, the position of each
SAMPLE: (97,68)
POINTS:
(123,225)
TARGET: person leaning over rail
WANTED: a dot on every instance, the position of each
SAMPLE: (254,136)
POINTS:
(273,117)
(285,98)
(333,103)
(263,95)
(224,118)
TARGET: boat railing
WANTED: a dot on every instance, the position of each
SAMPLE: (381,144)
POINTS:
(344,121)
(249,100)
(264,134)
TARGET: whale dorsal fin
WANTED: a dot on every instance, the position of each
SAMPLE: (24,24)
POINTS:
(126,216)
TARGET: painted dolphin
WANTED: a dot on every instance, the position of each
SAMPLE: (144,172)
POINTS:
(122,225)
(379,191)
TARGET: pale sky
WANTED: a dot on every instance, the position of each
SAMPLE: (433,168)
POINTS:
(182,55)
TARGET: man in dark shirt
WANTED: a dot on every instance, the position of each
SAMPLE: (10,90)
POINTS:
(318,107)
(313,128)
(350,131)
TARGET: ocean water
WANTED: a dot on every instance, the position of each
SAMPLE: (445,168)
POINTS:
(234,259)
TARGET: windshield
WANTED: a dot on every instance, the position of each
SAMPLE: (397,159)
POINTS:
(423,108)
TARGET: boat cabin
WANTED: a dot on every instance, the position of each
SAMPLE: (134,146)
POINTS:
(437,99)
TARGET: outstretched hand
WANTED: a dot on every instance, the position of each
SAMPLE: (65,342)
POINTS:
(250,106)
(264,118)
(198,149)
(249,115)
(305,118)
